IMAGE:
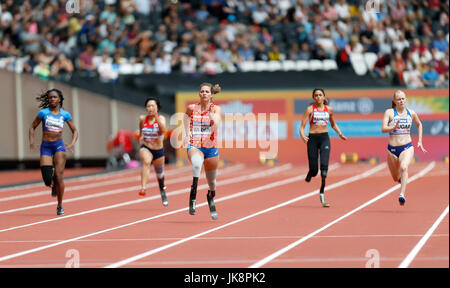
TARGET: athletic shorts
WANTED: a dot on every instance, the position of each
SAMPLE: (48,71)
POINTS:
(50,148)
(207,152)
(397,150)
(156,153)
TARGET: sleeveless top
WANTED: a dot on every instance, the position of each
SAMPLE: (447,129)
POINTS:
(200,129)
(151,131)
(319,117)
(404,127)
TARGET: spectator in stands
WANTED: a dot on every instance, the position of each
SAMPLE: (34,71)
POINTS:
(223,56)
(274,53)
(120,24)
(398,66)
(413,78)
(30,63)
(430,76)
(246,53)
(305,52)
(62,67)
(85,61)
(261,54)
(440,43)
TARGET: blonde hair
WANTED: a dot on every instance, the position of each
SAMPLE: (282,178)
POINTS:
(215,89)
(397,93)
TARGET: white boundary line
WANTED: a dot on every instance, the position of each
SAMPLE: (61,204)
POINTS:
(116,180)
(176,192)
(303,239)
(101,194)
(95,177)
(274,184)
(120,180)
(407,261)
(249,191)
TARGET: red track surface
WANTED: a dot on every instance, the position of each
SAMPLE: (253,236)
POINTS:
(250,227)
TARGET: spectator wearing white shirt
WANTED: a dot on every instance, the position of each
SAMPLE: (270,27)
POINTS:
(163,64)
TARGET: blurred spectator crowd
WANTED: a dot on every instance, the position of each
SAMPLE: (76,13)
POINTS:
(406,39)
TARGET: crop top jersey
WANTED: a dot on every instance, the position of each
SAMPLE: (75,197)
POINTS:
(202,134)
(320,118)
(404,127)
(151,131)
(52,122)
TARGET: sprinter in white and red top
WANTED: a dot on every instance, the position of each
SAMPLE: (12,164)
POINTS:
(201,127)
(397,121)
(318,142)
(152,127)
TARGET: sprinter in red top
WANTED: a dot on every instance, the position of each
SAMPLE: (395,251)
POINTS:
(152,127)
(318,141)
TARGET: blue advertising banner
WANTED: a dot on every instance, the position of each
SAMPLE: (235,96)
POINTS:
(372,128)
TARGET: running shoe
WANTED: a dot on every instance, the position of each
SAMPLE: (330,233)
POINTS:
(165,202)
(142,192)
(59,210)
(401,200)
(53,190)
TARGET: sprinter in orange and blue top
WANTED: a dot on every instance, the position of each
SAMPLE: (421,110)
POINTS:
(204,119)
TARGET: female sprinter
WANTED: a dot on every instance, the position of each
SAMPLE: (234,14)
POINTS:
(152,127)
(53,149)
(318,142)
(204,119)
(397,122)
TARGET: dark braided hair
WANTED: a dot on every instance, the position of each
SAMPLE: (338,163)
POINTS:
(43,98)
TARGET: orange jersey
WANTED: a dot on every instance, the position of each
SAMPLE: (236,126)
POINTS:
(202,134)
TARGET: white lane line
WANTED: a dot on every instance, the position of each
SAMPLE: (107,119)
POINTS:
(303,239)
(176,171)
(84,186)
(270,172)
(105,175)
(228,238)
(269,186)
(256,175)
(407,261)
(101,194)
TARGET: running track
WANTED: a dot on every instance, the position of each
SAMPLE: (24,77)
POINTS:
(268,217)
